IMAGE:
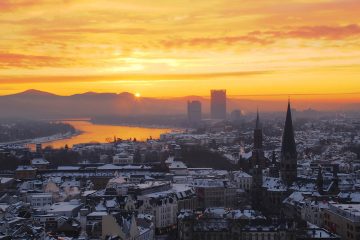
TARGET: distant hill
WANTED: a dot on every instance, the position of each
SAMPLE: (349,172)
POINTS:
(39,105)
(36,104)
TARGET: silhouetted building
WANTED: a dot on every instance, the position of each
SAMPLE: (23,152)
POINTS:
(218,104)
(288,161)
(194,111)
(235,115)
(258,152)
(257,164)
(274,168)
(320,181)
(334,186)
(256,188)
(38,148)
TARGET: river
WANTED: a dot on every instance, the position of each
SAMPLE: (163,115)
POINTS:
(91,132)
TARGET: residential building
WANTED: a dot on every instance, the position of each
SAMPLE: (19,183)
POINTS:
(344,220)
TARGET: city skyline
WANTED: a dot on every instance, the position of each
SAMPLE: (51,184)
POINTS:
(180,119)
(267,48)
(136,103)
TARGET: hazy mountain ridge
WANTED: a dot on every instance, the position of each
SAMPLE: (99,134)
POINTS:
(38,105)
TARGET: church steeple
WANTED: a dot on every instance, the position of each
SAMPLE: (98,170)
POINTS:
(258,158)
(288,142)
(257,126)
(288,164)
(273,168)
(258,136)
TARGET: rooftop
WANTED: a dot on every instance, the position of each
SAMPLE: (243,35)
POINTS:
(24,167)
(39,161)
(64,206)
(349,211)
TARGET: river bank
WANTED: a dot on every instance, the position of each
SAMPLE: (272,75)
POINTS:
(102,133)
(87,131)
(55,137)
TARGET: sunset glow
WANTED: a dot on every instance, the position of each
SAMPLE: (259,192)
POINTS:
(179,47)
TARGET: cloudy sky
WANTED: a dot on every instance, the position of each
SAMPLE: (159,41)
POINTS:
(165,48)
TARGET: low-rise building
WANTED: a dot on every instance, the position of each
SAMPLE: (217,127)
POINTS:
(313,212)
(94,224)
(6,183)
(123,158)
(222,223)
(242,180)
(163,206)
(40,163)
(67,209)
(25,172)
(215,193)
(40,200)
(124,226)
(344,220)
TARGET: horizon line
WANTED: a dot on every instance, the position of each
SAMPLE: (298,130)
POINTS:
(193,95)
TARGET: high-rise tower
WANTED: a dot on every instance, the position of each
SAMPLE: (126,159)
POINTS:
(194,112)
(218,104)
(288,161)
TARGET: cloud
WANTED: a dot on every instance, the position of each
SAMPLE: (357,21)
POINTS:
(322,32)
(211,41)
(81,30)
(270,36)
(9,60)
(14,4)
(127,77)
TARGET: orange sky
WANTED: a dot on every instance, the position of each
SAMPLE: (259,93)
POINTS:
(165,48)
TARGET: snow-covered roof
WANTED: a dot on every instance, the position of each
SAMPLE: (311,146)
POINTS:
(39,161)
(97,214)
(73,168)
(177,165)
(116,167)
(274,184)
(241,174)
(5,180)
(64,206)
(295,198)
(208,183)
(24,167)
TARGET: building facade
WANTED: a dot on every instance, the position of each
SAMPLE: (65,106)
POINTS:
(344,220)
(218,104)
(194,112)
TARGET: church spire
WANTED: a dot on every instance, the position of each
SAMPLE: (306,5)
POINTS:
(258,126)
(258,136)
(258,152)
(288,142)
(288,166)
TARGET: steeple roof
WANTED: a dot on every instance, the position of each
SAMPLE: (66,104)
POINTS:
(288,147)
